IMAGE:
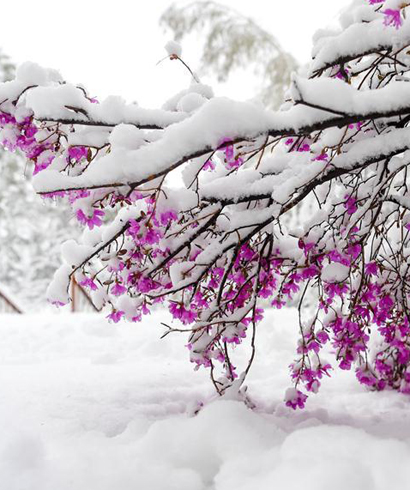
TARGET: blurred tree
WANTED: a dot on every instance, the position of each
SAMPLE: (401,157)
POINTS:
(232,42)
(30,231)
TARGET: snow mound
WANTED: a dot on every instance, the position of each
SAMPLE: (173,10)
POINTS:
(88,404)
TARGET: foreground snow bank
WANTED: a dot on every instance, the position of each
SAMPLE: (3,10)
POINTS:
(89,405)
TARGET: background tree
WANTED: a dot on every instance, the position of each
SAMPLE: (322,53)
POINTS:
(233,42)
(215,248)
(30,230)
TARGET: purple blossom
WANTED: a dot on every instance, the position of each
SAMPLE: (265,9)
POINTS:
(366,377)
(146,284)
(350,204)
(322,157)
(152,237)
(89,283)
(342,73)
(134,228)
(278,303)
(77,153)
(168,216)
(94,220)
(371,269)
(179,312)
(75,195)
(52,195)
(57,303)
(118,289)
(115,315)
(295,399)
(392,17)
(209,165)
(304,148)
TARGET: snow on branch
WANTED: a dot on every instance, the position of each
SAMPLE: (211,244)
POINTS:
(360,40)
(306,205)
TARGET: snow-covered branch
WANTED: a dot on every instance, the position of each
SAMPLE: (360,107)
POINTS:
(308,203)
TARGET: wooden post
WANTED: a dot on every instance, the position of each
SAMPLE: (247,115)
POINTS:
(78,294)
(9,302)
(73,300)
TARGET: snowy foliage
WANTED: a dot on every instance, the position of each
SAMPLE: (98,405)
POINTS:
(7,68)
(216,248)
(233,42)
(30,234)
(30,230)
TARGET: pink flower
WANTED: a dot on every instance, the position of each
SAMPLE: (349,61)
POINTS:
(57,303)
(366,377)
(118,289)
(77,153)
(341,74)
(75,195)
(115,315)
(322,157)
(310,272)
(181,313)
(94,220)
(42,165)
(295,399)
(350,204)
(168,216)
(303,148)
(392,17)
(322,336)
(145,285)
(235,163)
(89,283)
(52,195)
(209,165)
(152,237)
(134,227)
(228,150)
(345,365)
(313,345)
(354,250)
(372,269)
(278,303)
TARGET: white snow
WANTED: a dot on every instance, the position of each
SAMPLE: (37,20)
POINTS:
(342,98)
(91,405)
(335,272)
(173,48)
(356,39)
(51,102)
(126,136)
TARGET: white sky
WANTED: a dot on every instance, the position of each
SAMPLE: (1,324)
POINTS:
(112,46)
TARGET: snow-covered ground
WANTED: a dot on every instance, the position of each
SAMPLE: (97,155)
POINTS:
(87,405)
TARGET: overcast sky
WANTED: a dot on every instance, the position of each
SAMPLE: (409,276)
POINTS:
(112,47)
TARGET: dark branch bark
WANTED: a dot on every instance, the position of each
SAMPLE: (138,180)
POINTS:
(103,124)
